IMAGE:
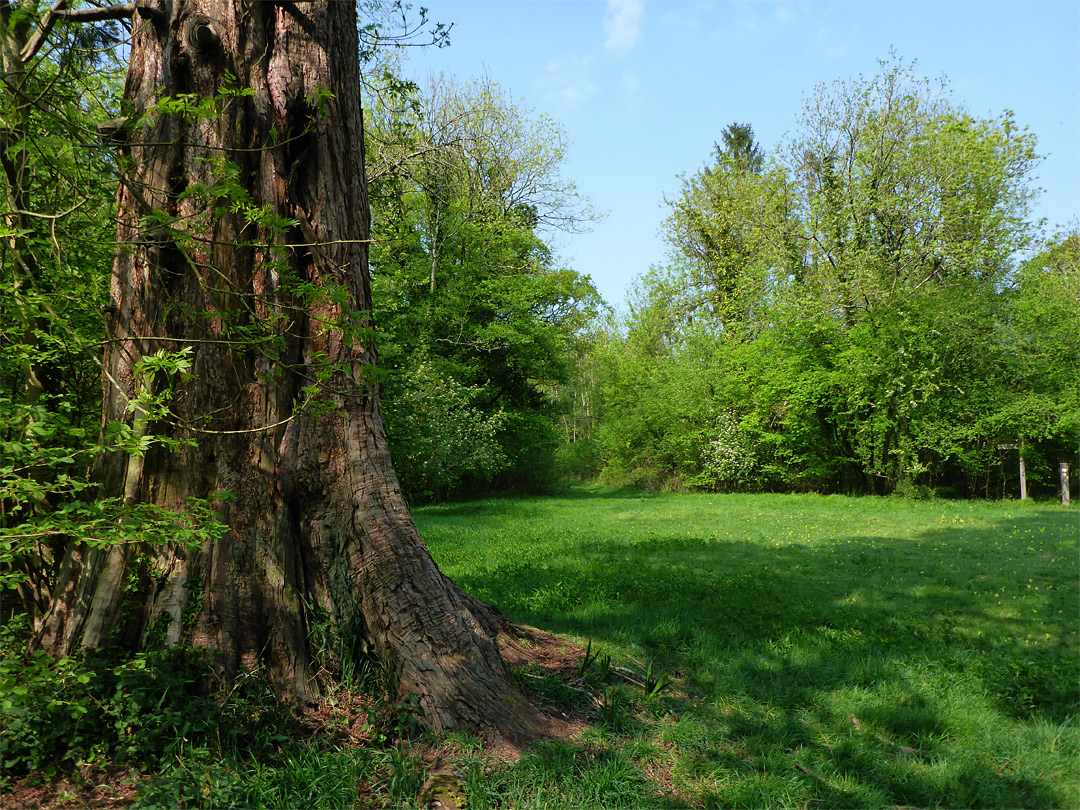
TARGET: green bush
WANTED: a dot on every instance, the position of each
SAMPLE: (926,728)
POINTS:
(438,437)
(59,712)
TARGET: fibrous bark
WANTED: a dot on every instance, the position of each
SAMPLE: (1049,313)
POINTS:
(282,398)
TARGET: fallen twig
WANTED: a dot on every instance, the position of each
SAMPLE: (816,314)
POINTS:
(902,748)
(800,767)
(567,685)
(628,675)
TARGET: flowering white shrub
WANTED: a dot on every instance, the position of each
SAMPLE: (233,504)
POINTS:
(729,458)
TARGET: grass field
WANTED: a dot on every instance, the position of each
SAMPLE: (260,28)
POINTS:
(761,651)
(824,651)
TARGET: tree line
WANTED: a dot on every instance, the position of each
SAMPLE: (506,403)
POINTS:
(477,319)
(869,308)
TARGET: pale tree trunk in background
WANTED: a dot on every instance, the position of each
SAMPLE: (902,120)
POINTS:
(318,517)
(1023,473)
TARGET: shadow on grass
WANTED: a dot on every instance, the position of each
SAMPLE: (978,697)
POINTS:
(556,773)
(516,507)
(857,658)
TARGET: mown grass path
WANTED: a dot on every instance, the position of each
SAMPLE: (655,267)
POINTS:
(848,652)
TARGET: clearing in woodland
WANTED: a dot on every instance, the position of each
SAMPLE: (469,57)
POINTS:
(852,652)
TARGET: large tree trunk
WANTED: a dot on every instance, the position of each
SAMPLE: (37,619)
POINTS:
(317,517)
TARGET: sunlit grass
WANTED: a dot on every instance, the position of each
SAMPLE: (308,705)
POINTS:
(854,651)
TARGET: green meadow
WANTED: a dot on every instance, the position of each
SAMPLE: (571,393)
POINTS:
(758,651)
(820,650)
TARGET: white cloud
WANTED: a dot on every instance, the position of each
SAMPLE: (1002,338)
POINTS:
(566,82)
(622,22)
(830,43)
(784,15)
(686,16)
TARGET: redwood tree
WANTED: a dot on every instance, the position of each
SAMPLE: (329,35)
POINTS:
(243,228)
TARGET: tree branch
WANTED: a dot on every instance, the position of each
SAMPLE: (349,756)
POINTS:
(48,19)
(120,12)
(59,11)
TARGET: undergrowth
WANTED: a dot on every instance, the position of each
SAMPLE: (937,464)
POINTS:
(158,721)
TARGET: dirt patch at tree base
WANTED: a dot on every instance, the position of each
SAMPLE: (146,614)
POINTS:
(100,789)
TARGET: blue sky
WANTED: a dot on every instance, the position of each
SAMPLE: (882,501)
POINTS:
(644,87)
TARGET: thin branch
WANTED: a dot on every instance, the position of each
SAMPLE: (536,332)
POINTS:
(187,426)
(59,11)
(48,20)
(119,12)
(397,164)
(61,215)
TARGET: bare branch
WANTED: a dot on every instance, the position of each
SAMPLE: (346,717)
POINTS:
(48,20)
(120,12)
(60,11)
